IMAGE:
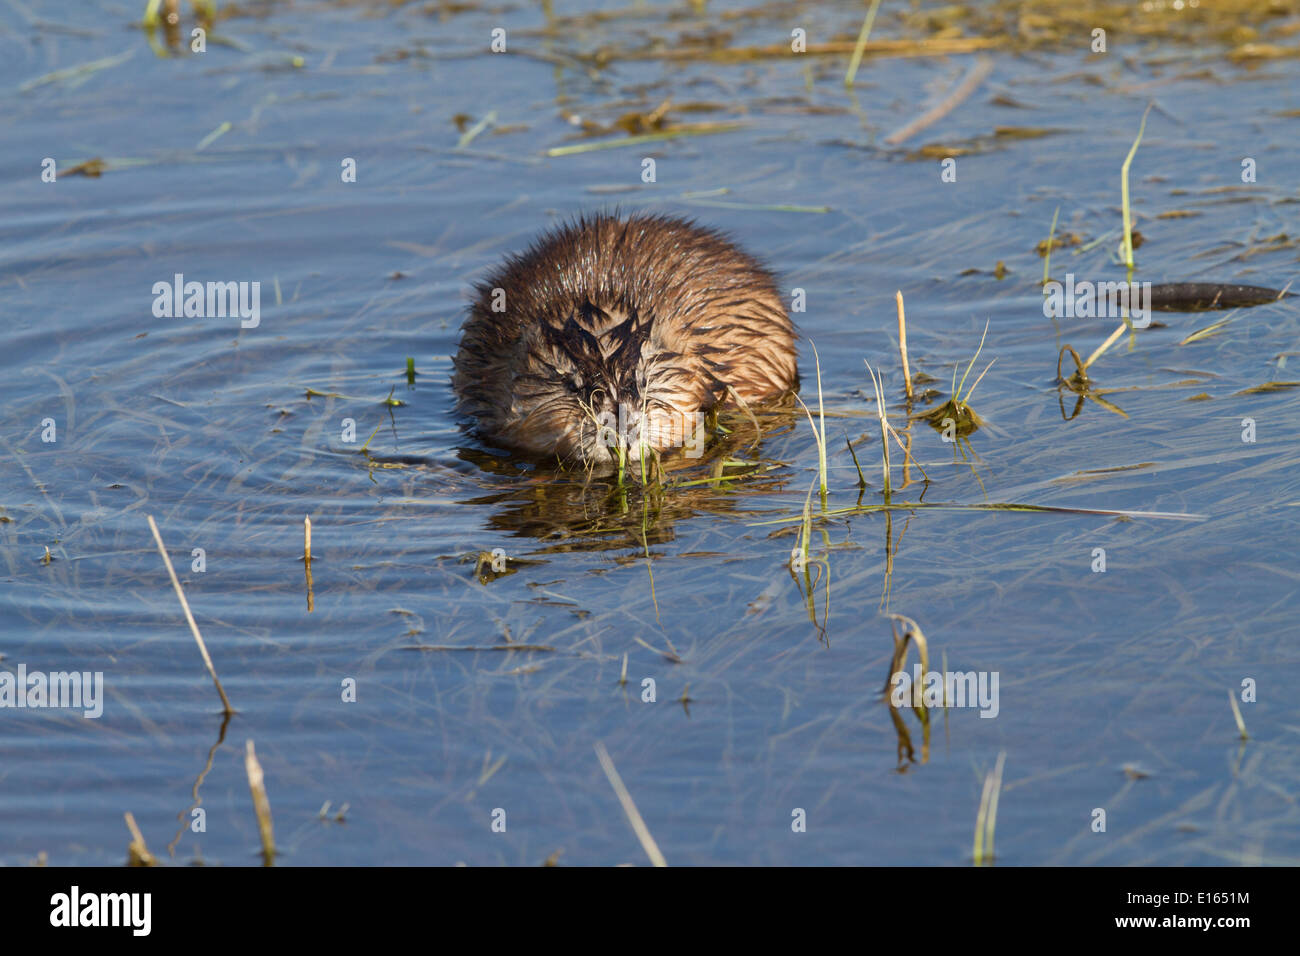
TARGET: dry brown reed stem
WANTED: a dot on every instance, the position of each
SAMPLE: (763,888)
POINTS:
(189,616)
(261,805)
(974,77)
(137,853)
(937,46)
(306,561)
(902,343)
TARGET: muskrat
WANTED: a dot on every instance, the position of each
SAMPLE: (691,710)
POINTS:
(614,335)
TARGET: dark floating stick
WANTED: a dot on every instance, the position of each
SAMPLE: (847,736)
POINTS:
(1210,296)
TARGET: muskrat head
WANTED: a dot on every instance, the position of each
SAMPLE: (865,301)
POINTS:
(612,337)
(591,385)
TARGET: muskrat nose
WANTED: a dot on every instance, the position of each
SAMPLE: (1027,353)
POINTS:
(640,435)
(608,427)
(620,427)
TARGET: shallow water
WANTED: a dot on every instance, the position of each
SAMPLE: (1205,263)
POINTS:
(1112,686)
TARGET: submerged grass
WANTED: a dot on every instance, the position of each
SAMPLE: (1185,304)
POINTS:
(629,807)
(956,413)
(698,129)
(1079,381)
(76,74)
(1236,715)
(261,803)
(986,819)
(990,506)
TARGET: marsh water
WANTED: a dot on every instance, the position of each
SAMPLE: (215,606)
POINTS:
(455,709)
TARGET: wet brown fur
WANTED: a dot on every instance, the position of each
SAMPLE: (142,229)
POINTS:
(650,313)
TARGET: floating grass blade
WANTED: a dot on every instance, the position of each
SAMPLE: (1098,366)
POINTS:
(1047,257)
(957,390)
(884,429)
(966,399)
(670,654)
(1100,350)
(1236,714)
(472,133)
(987,819)
(1123,186)
(1209,330)
(703,129)
(79,71)
(629,807)
(362,451)
(212,137)
(861,45)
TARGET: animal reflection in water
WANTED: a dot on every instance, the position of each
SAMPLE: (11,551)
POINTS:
(581,509)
